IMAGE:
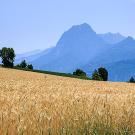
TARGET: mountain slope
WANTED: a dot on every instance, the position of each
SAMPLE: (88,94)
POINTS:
(122,51)
(112,38)
(118,60)
(29,57)
(28,53)
(76,47)
(122,70)
(81,47)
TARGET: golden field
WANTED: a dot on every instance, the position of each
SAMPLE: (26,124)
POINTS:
(40,104)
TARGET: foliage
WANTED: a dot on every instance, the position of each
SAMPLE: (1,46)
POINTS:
(79,72)
(132,80)
(24,65)
(7,55)
(100,75)
(103,73)
(30,66)
(96,76)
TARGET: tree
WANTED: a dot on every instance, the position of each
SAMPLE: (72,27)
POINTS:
(23,64)
(7,55)
(96,76)
(18,65)
(30,66)
(132,80)
(103,73)
(79,72)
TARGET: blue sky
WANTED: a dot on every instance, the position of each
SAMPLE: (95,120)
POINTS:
(38,24)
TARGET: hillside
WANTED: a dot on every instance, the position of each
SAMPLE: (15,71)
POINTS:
(38,103)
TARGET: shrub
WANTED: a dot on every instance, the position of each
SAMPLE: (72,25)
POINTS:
(24,65)
(30,66)
(79,72)
(96,76)
(103,73)
(132,80)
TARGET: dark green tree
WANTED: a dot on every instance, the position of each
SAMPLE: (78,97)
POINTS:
(132,80)
(103,73)
(18,65)
(30,66)
(96,76)
(79,72)
(23,64)
(7,55)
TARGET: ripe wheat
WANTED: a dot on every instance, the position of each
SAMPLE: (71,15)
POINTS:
(39,104)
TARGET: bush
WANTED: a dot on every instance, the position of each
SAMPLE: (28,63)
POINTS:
(24,65)
(30,66)
(80,72)
(96,76)
(132,80)
(103,73)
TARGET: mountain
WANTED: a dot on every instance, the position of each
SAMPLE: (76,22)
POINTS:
(122,70)
(76,47)
(119,60)
(121,51)
(31,56)
(28,53)
(112,38)
(25,56)
(81,47)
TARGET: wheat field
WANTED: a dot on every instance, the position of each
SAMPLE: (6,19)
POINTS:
(40,104)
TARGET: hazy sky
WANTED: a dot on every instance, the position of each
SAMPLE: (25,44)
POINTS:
(38,24)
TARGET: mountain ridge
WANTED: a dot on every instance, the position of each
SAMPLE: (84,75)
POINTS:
(112,38)
(82,47)
(80,39)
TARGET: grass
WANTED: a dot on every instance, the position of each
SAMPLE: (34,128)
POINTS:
(42,104)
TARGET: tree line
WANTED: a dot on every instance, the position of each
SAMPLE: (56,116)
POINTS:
(8,57)
(99,75)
